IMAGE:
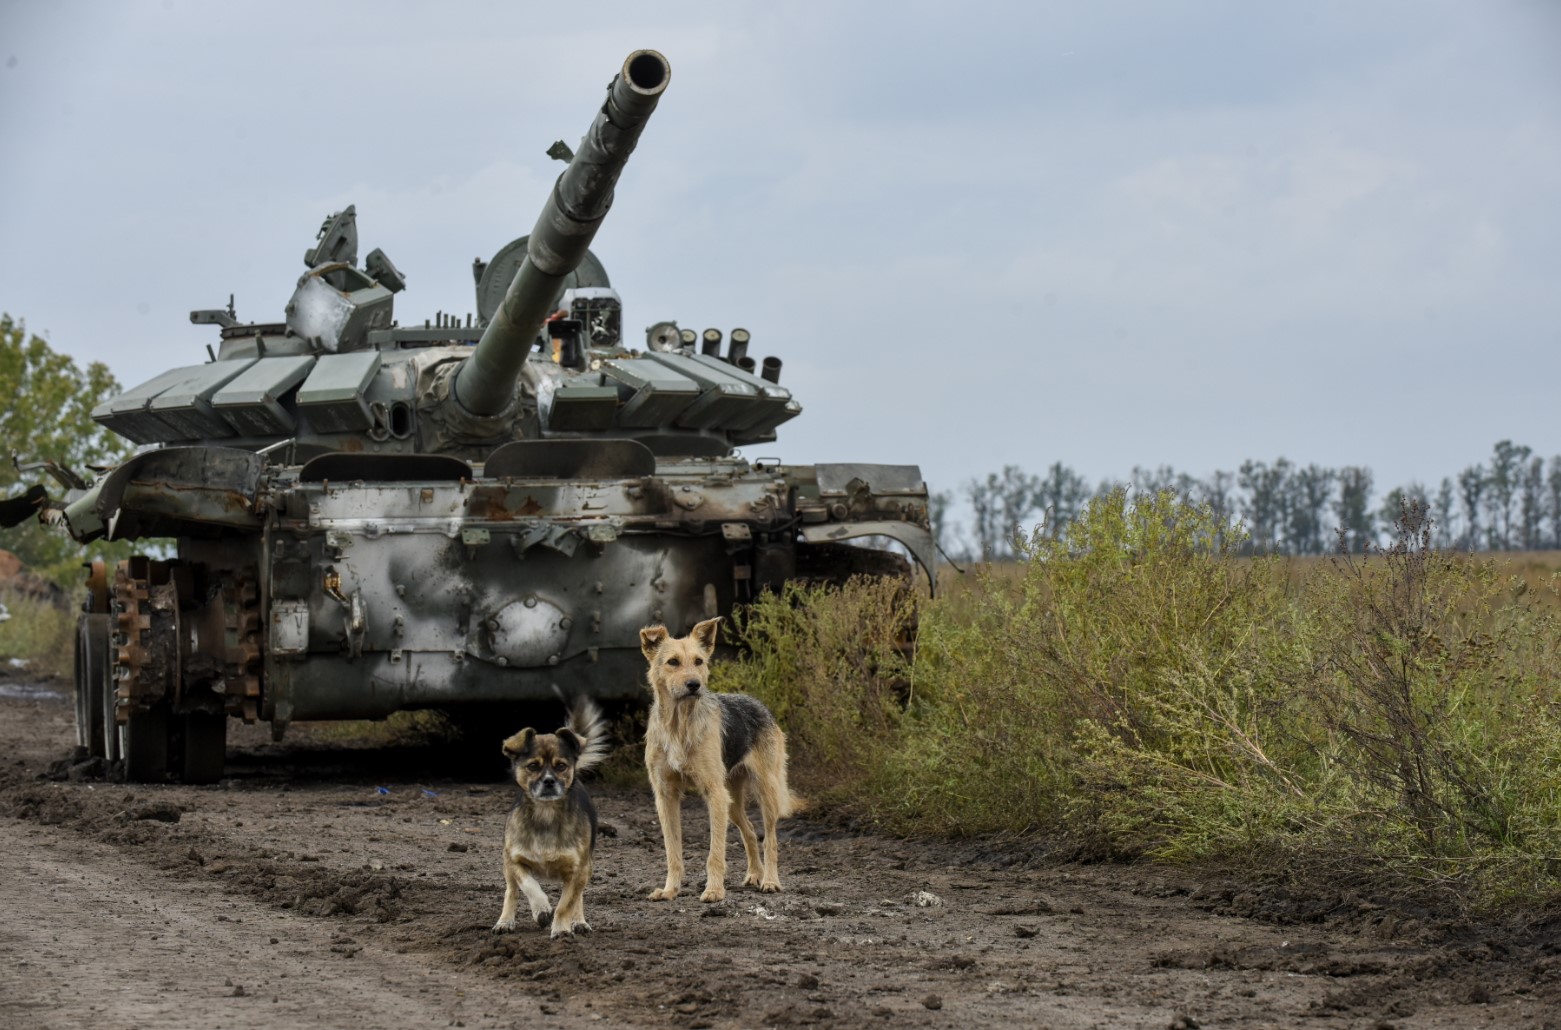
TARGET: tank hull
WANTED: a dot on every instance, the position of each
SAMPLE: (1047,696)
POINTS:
(306,596)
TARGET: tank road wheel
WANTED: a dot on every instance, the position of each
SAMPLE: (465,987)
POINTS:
(205,746)
(145,640)
(175,662)
(84,713)
(113,750)
(93,680)
(146,742)
(79,678)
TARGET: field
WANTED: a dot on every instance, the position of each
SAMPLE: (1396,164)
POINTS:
(1137,784)
(1390,722)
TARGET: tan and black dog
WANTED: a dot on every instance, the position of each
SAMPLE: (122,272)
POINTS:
(718,745)
(552,828)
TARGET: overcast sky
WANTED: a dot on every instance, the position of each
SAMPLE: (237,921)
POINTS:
(978,234)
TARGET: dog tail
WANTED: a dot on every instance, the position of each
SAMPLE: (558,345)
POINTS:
(587,723)
(790,804)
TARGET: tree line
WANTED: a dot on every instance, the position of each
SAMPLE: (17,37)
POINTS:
(1510,502)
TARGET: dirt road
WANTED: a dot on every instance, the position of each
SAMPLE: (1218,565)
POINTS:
(334,886)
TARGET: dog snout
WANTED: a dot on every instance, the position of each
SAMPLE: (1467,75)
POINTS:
(693,686)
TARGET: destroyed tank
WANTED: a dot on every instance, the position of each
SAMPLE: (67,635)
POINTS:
(371,516)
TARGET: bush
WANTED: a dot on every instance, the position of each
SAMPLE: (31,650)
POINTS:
(1436,702)
(830,663)
(1388,720)
(1110,695)
(39,633)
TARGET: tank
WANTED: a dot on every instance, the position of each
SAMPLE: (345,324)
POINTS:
(370,515)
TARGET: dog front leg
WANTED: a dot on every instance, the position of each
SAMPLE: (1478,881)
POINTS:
(570,915)
(669,805)
(540,909)
(720,805)
(511,898)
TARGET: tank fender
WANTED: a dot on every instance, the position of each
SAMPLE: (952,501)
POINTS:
(163,492)
(916,539)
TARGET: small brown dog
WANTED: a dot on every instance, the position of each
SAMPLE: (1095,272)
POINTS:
(716,745)
(552,828)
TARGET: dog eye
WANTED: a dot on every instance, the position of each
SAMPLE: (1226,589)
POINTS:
(560,766)
(673,662)
(534,765)
(699,661)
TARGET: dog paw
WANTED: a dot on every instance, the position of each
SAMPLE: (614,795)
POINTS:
(713,894)
(663,894)
(769,886)
(752,880)
(561,931)
(504,926)
(543,917)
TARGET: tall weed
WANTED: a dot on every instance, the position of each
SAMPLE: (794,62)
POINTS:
(1116,690)
(38,632)
(1134,688)
(831,664)
(1436,694)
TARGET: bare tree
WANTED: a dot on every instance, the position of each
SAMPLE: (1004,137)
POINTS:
(1553,483)
(1443,511)
(1216,493)
(1061,496)
(1507,462)
(1265,503)
(1310,490)
(1000,506)
(938,505)
(1471,487)
(1353,507)
(1531,504)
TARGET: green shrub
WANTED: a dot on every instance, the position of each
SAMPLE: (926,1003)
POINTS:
(1390,721)
(39,633)
(1114,695)
(1436,701)
(830,663)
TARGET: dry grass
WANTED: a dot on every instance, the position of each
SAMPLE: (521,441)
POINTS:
(1392,722)
(39,633)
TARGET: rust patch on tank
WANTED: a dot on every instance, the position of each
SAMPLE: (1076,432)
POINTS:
(493,505)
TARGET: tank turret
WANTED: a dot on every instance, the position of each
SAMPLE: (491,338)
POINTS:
(369,515)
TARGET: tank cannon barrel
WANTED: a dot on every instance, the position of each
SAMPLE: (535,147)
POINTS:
(485,383)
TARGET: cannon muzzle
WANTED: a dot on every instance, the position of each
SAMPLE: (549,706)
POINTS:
(485,383)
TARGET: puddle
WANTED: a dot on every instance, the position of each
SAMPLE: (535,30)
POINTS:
(30,691)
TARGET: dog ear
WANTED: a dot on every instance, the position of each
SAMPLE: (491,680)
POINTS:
(520,743)
(650,640)
(571,741)
(704,634)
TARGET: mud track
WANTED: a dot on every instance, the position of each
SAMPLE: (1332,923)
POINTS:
(333,886)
